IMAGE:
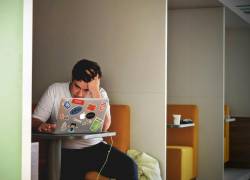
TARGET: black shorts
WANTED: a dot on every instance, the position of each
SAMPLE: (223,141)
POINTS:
(77,162)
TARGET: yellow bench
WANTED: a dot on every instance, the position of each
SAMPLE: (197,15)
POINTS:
(180,158)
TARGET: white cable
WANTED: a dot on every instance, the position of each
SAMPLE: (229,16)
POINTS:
(106,160)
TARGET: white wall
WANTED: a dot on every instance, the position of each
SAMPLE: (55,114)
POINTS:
(195,76)
(237,71)
(127,39)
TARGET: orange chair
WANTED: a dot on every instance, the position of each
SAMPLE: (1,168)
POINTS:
(182,144)
(120,123)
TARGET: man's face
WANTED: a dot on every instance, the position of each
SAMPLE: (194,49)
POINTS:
(79,89)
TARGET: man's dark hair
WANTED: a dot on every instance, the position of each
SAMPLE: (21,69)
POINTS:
(86,70)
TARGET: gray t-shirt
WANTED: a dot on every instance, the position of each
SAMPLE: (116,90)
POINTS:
(48,107)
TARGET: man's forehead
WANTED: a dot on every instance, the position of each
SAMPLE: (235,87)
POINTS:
(80,83)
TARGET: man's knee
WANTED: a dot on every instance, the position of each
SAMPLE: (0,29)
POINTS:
(92,175)
(131,166)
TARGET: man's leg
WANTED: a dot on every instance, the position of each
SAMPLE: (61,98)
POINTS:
(77,163)
(93,176)
(119,165)
(69,165)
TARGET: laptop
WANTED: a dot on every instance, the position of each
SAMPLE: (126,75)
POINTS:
(81,115)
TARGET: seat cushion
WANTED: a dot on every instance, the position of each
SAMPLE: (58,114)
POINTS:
(179,162)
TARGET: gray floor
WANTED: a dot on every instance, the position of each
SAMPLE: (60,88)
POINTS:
(236,174)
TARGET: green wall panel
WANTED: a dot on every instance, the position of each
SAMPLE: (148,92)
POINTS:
(10,88)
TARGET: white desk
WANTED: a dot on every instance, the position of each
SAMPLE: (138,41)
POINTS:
(180,126)
(228,120)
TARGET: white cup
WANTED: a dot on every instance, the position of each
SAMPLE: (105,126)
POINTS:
(177,119)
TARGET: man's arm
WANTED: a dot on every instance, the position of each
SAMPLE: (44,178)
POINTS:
(41,126)
(94,87)
(107,122)
(43,110)
(36,123)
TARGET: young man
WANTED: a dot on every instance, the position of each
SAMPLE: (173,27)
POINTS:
(82,156)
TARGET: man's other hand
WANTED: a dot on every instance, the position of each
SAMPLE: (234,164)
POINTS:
(46,127)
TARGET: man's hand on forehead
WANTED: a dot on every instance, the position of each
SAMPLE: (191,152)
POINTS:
(92,73)
(94,87)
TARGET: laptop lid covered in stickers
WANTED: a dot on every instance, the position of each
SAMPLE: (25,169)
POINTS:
(81,115)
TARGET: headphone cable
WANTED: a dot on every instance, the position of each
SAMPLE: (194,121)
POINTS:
(106,160)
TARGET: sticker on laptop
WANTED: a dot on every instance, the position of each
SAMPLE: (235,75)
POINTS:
(72,128)
(91,107)
(67,105)
(75,110)
(96,125)
(102,106)
(78,101)
(82,116)
(90,115)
